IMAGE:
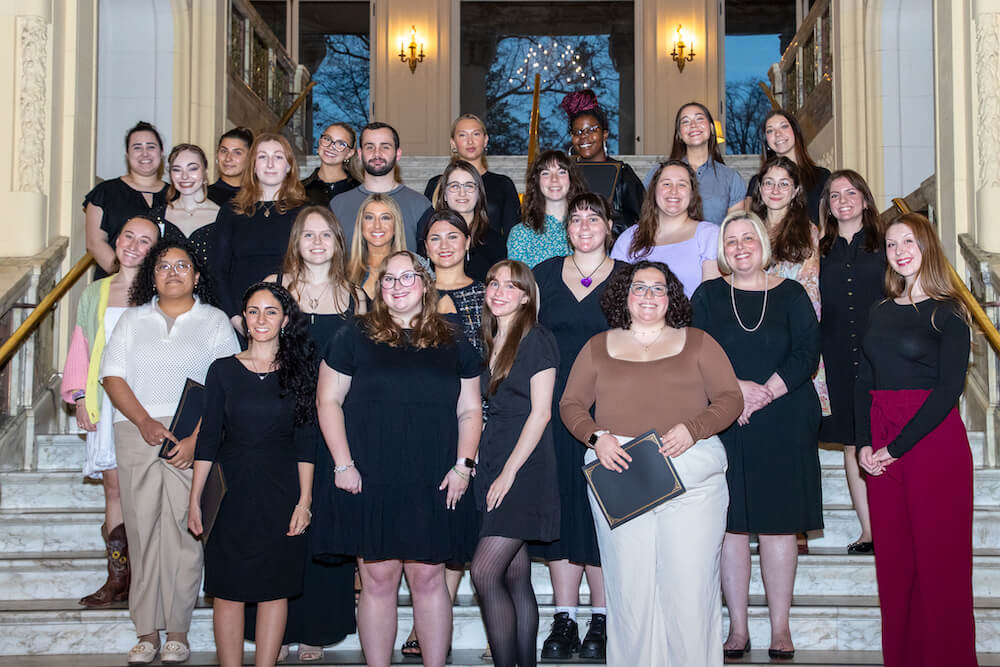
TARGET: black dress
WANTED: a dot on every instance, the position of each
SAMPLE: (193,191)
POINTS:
(503,207)
(203,238)
(530,510)
(617,182)
(773,476)
(572,323)
(850,282)
(249,429)
(119,202)
(221,192)
(247,249)
(324,613)
(400,419)
(320,192)
(468,302)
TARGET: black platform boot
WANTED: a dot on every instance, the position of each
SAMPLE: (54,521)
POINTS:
(595,642)
(563,641)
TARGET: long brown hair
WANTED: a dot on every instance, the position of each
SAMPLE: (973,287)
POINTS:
(649,215)
(352,165)
(524,319)
(480,218)
(293,265)
(430,329)
(791,240)
(358,262)
(290,194)
(172,192)
(934,273)
(807,166)
(482,126)
(533,207)
(678,150)
(869,216)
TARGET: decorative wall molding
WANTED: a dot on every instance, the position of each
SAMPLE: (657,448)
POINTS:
(32,103)
(988,99)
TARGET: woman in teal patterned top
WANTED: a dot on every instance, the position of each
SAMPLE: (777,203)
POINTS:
(552,182)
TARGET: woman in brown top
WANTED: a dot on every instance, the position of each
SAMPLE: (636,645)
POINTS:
(653,371)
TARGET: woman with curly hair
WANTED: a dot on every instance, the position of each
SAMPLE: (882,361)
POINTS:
(552,181)
(400,410)
(378,231)
(172,333)
(671,228)
(653,371)
(259,405)
(252,230)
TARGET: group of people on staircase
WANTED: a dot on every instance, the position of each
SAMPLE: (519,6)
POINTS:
(405,385)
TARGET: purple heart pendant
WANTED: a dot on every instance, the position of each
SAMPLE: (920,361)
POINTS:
(585,282)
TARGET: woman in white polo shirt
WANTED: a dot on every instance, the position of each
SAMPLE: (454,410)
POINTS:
(170,334)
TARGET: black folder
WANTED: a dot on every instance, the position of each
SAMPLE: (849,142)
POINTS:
(188,414)
(211,500)
(650,480)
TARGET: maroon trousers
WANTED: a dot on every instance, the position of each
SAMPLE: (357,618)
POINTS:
(921,511)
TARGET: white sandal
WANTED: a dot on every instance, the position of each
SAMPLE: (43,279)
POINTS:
(142,653)
(175,652)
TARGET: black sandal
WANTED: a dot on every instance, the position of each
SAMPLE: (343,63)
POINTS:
(411,648)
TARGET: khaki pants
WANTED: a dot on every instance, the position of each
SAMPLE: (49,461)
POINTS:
(661,570)
(166,558)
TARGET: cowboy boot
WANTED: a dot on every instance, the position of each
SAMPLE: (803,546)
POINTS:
(115,589)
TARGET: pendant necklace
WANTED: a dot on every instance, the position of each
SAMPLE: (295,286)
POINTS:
(314,303)
(645,347)
(763,308)
(267,208)
(586,280)
(253,367)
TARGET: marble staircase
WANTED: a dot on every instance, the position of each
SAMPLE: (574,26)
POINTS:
(50,555)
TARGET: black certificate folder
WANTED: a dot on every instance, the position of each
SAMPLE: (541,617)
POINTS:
(650,480)
(188,414)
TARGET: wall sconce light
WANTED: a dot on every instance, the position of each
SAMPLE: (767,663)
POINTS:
(682,41)
(412,57)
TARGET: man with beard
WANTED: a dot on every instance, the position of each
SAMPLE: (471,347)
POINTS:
(378,151)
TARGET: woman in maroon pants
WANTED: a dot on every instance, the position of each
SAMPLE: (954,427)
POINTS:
(913,443)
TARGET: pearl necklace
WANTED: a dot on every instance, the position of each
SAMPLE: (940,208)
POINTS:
(763,308)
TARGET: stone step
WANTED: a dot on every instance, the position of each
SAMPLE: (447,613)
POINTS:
(827,623)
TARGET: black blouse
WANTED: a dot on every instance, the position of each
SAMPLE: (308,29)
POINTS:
(320,192)
(221,192)
(503,208)
(119,202)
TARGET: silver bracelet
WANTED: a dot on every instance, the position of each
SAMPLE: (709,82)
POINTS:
(308,511)
(343,468)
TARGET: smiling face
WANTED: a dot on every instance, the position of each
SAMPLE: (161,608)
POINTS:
(378,225)
(174,274)
(902,251)
(777,189)
(232,157)
(743,250)
(334,145)
(503,297)
(588,137)
(187,173)
(693,126)
(587,230)
(461,192)
(264,316)
(446,245)
(133,243)
(271,164)
(316,240)
(402,288)
(846,201)
(673,191)
(144,154)
(649,308)
(779,136)
(378,151)
(553,182)
(469,140)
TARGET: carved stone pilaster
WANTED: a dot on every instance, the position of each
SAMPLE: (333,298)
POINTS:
(987,66)
(32,103)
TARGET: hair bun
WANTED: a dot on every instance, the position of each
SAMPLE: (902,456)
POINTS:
(581,100)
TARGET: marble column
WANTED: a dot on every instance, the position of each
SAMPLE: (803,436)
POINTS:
(986,22)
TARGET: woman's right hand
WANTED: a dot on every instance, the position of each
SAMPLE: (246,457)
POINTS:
(194,518)
(755,395)
(866,459)
(348,480)
(610,453)
(153,432)
(83,417)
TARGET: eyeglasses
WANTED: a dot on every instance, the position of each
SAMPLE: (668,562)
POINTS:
(339,144)
(586,130)
(455,188)
(181,267)
(781,186)
(405,279)
(641,289)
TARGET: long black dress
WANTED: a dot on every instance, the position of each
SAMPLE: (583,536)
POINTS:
(530,510)
(324,613)
(402,428)
(773,476)
(572,323)
(119,202)
(851,280)
(248,248)
(249,429)
(503,207)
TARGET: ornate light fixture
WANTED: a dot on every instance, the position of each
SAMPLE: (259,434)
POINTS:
(682,41)
(412,57)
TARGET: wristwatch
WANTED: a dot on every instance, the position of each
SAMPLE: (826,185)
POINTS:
(468,463)
(592,440)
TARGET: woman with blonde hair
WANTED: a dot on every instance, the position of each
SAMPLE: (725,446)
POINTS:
(378,231)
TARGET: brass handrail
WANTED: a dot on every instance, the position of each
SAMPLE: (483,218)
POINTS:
(979,315)
(12,344)
(533,123)
(295,105)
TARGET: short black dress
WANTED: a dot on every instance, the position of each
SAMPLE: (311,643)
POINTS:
(403,432)
(530,510)
(119,202)
(249,429)
(774,475)
(203,238)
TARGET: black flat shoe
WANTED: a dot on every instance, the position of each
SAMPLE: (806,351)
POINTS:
(781,653)
(736,653)
(861,548)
